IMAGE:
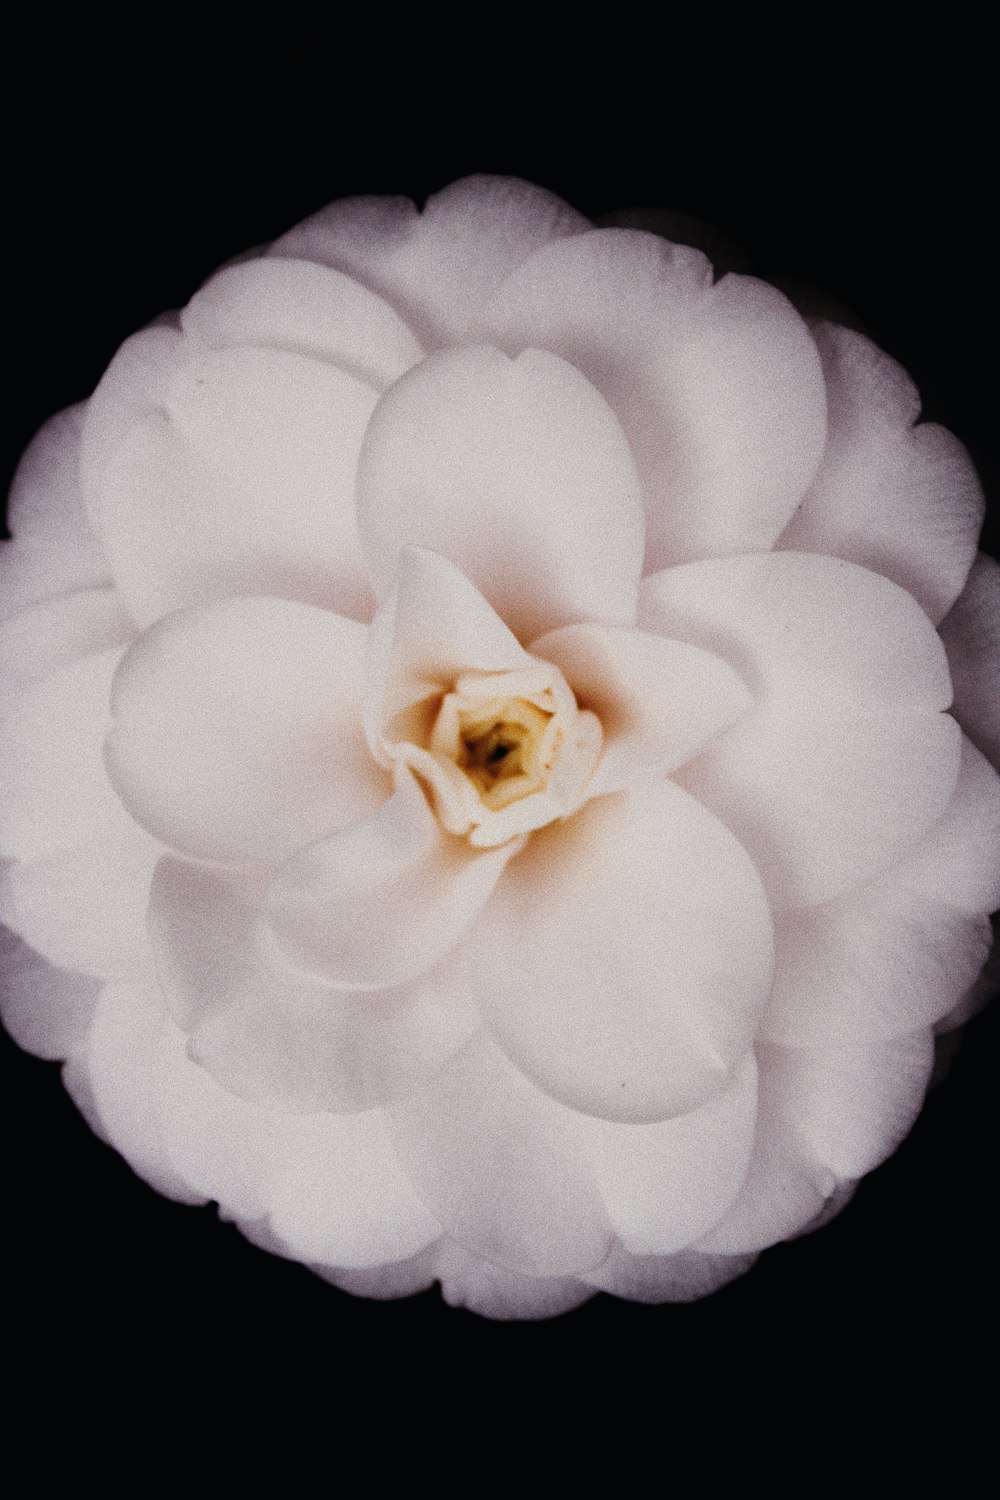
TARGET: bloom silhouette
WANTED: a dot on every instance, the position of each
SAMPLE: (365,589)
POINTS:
(484,795)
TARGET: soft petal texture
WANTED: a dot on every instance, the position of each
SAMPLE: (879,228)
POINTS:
(44,637)
(502,1167)
(46,1010)
(56,551)
(236,729)
(330,1185)
(468,441)
(896,496)
(626,956)
(845,762)
(971,634)
(824,1116)
(56,790)
(719,388)
(273,1036)
(899,952)
(436,267)
(383,900)
(496,1292)
(673,1278)
(239,480)
(432,626)
(659,701)
(305,309)
(665,1184)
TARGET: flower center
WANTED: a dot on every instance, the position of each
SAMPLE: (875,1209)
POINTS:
(505,753)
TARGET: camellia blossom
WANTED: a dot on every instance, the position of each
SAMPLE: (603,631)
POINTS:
(499,775)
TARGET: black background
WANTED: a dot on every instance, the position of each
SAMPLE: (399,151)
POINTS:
(883,202)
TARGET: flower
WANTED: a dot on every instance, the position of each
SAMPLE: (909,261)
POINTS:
(482,798)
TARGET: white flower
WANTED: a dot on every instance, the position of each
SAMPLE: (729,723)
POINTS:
(481,766)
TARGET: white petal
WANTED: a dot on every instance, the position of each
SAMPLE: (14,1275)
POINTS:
(307,309)
(971,634)
(659,701)
(719,388)
(674,1278)
(56,790)
(899,952)
(42,638)
(403,1278)
(899,498)
(438,266)
(275,1038)
(665,1184)
(495,1292)
(519,473)
(502,1167)
(46,1010)
(241,481)
(237,729)
(54,550)
(382,901)
(625,958)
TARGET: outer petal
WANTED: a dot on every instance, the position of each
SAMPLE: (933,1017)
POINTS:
(495,1292)
(43,638)
(237,729)
(273,1037)
(382,901)
(665,1184)
(625,959)
(330,1184)
(519,473)
(241,480)
(900,498)
(971,634)
(900,952)
(719,388)
(46,1010)
(307,309)
(54,550)
(845,762)
(501,1167)
(659,701)
(438,266)
(673,1278)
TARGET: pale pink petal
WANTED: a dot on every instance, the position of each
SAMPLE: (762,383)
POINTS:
(971,635)
(42,638)
(46,1010)
(436,267)
(307,309)
(502,1167)
(432,626)
(380,902)
(54,550)
(844,763)
(673,1278)
(240,481)
(625,958)
(659,701)
(237,729)
(276,1038)
(665,1184)
(719,388)
(402,1278)
(899,952)
(496,1292)
(56,790)
(900,498)
(515,470)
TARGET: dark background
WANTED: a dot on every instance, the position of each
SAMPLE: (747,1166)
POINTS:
(882,202)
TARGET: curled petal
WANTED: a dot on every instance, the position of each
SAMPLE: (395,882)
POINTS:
(501,1167)
(626,957)
(470,440)
(236,730)
(383,900)
(659,701)
(971,635)
(307,309)
(900,498)
(439,265)
(273,1036)
(719,388)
